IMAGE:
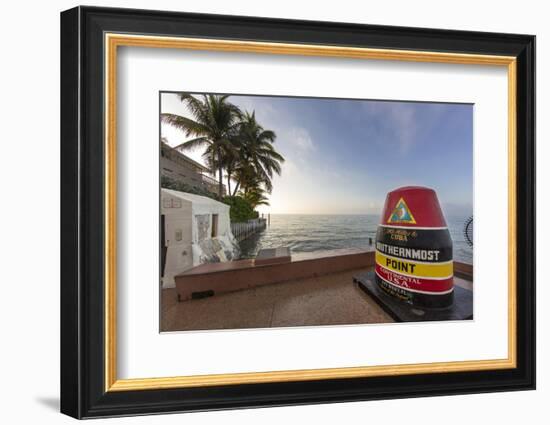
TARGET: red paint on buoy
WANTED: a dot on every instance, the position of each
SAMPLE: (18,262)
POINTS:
(418,205)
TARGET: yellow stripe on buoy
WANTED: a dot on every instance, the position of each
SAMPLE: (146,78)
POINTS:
(415,269)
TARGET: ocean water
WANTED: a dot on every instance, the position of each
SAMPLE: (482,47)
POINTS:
(305,233)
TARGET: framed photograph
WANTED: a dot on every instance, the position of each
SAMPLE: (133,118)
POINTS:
(262,212)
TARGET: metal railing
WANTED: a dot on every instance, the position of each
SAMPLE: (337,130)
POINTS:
(241,231)
(212,184)
(209,180)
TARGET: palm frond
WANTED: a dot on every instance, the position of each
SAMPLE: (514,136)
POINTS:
(187,125)
(193,143)
(267,135)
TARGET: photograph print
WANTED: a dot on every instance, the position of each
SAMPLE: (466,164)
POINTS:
(302,211)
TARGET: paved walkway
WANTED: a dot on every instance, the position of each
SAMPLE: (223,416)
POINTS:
(326,300)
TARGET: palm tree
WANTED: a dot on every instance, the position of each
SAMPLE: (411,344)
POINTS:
(256,196)
(258,160)
(214,125)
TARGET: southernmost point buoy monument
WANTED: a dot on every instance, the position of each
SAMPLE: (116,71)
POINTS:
(413,271)
(414,250)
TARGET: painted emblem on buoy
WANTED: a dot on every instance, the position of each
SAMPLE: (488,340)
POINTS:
(401,213)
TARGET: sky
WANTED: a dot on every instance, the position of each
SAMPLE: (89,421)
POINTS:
(343,156)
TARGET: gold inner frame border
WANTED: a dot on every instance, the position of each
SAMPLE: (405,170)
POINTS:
(113,40)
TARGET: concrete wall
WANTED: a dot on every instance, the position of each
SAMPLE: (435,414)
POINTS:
(243,274)
(177,237)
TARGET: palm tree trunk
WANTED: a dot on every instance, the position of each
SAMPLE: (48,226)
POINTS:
(220,178)
(228,182)
(236,188)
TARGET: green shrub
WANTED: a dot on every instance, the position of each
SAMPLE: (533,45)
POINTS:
(241,210)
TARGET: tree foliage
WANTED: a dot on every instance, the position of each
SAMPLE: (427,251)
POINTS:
(241,210)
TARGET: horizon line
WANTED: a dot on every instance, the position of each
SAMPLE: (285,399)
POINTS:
(312,213)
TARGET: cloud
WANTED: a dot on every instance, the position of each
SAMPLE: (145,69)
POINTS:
(290,138)
(404,121)
(403,124)
(302,140)
(397,121)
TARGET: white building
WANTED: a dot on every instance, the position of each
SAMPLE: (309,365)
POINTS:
(194,230)
(180,168)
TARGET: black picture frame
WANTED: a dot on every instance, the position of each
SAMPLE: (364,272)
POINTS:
(83,392)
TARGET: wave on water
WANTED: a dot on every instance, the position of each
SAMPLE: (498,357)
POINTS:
(304,233)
